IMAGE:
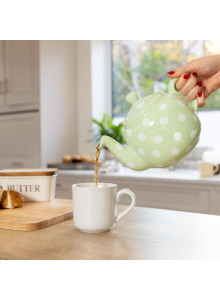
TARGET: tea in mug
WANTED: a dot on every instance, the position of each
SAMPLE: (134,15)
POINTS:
(97,154)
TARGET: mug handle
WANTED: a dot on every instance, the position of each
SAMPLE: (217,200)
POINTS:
(118,196)
(216,169)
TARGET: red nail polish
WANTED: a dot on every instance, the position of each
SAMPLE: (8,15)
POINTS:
(199,83)
(186,75)
(199,93)
(194,74)
(171,72)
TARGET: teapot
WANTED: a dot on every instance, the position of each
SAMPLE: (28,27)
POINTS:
(160,130)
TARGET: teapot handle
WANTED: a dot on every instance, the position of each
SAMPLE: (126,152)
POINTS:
(172,90)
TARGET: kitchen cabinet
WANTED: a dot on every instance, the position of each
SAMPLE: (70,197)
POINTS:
(19,140)
(37,102)
(19,76)
(170,190)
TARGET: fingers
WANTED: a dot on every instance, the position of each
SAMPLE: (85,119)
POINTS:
(188,85)
(187,68)
(191,82)
(196,93)
(186,82)
(201,98)
(192,93)
(181,81)
(191,88)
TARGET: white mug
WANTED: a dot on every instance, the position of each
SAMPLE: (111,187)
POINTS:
(95,208)
(208,169)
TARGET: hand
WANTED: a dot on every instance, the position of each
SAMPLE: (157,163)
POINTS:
(198,78)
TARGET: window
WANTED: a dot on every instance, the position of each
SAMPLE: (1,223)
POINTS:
(142,66)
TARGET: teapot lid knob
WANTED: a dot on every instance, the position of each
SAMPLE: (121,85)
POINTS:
(132,97)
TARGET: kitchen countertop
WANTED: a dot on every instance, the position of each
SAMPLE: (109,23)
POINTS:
(177,175)
(142,234)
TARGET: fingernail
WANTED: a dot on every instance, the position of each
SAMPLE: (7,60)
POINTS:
(171,72)
(199,93)
(186,75)
(194,74)
(199,83)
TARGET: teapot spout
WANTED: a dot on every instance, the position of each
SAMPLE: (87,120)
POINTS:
(124,154)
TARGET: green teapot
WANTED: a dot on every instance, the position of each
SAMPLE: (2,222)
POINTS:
(160,130)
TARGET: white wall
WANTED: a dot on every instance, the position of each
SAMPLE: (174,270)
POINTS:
(58,107)
(75,81)
(84,97)
(93,89)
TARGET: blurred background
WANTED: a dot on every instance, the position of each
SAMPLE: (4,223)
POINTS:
(58,97)
(142,66)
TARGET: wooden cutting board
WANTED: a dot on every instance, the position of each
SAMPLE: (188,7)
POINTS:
(36,215)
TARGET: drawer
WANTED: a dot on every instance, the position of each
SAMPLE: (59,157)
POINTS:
(63,189)
(182,198)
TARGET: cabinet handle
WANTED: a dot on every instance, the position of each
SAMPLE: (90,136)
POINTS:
(6,86)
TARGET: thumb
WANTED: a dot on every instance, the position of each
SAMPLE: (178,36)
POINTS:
(211,84)
(187,68)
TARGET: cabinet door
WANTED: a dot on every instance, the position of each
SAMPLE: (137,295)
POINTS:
(1,75)
(21,75)
(19,140)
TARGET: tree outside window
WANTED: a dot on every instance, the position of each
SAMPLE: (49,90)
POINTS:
(142,66)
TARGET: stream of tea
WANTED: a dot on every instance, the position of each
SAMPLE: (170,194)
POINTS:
(97,153)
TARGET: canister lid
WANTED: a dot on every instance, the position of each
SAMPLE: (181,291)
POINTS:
(28,172)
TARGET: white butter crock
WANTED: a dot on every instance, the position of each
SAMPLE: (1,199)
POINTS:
(33,184)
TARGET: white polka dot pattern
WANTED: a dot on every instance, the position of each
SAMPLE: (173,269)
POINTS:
(158,139)
(177,136)
(141,136)
(175,151)
(193,134)
(130,165)
(141,151)
(163,106)
(180,103)
(160,132)
(145,122)
(163,120)
(156,153)
(181,117)
(119,147)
